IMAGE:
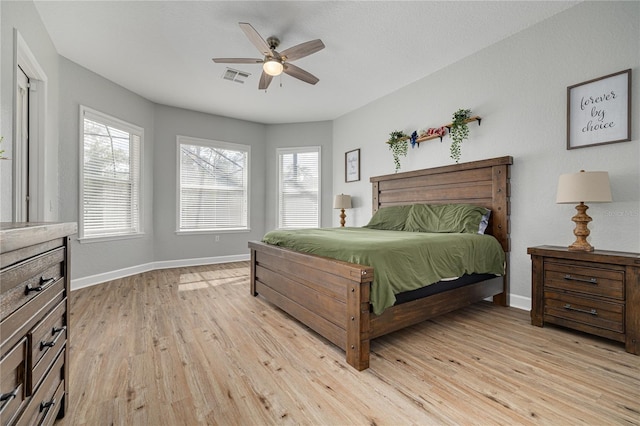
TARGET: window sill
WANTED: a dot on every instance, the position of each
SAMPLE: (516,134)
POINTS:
(213,231)
(91,240)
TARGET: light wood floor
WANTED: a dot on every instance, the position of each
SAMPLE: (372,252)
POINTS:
(190,346)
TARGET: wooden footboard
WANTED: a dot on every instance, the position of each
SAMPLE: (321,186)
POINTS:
(329,296)
(332,298)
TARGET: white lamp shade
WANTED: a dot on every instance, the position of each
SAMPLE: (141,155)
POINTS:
(273,67)
(342,201)
(592,187)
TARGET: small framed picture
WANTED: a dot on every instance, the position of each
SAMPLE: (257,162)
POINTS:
(352,166)
(599,111)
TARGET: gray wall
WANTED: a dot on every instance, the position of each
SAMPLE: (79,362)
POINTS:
(161,125)
(80,86)
(171,122)
(519,88)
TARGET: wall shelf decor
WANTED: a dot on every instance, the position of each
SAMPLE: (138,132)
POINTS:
(457,130)
(448,126)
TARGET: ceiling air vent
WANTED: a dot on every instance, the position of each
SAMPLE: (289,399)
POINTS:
(235,75)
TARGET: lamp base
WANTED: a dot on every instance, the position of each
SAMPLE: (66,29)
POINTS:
(581,231)
(342,217)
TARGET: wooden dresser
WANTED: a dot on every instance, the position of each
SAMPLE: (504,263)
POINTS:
(595,292)
(34,322)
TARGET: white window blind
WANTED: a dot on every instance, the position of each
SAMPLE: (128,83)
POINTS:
(213,185)
(110,187)
(299,187)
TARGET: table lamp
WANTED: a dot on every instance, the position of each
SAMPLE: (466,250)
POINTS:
(590,187)
(342,202)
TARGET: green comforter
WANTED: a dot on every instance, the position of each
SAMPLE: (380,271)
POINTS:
(402,260)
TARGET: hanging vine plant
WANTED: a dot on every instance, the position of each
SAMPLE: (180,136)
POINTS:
(2,157)
(398,144)
(458,132)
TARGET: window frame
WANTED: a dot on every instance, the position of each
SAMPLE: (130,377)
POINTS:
(132,129)
(298,150)
(189,140)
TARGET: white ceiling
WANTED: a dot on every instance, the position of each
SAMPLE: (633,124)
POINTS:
(162,50)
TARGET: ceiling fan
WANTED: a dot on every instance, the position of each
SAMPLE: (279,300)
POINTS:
(275,63)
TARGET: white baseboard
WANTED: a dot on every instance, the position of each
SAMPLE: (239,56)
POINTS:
(520,302)
(166,264)
(126,272)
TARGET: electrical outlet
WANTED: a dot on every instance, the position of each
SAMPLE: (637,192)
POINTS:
(217,238)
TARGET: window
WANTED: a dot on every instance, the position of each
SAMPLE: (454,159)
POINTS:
(299,187)
(213,185)
(110,189)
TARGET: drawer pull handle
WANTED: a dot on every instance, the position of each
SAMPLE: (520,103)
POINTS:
(582,280)
(46,281)
(29,289)
(52,343)
(55,330)
(44,345)
(584,311)
(10,395)
(44,405)
(43,283)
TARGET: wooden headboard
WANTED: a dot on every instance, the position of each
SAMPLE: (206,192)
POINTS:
(483,183)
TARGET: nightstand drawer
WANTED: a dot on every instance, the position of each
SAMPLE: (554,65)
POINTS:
(589,280)
(591,312)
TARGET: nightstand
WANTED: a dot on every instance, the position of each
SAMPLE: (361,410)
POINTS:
(595,292)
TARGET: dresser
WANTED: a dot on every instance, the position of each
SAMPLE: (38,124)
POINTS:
(595,292)
(34,322)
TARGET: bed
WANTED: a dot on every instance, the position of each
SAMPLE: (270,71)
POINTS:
(333,297)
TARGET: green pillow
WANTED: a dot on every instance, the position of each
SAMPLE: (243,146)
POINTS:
(460,218)
(390,218)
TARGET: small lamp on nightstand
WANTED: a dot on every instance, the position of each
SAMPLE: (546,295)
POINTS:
(342,202)
(590,187)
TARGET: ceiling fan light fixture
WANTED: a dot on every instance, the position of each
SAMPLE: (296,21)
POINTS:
(273,67)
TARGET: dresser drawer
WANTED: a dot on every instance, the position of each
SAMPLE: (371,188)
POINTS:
(585,279)
(13,367)
(19,323)
(53,408)
(45,403)
(46,340)
(23,281)
(584,310)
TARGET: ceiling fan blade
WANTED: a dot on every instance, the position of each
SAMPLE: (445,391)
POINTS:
(255,38)
(237,61)
(300,74)
(265,80)
(303,49)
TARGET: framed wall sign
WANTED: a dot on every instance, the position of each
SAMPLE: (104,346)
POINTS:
(599,111)
(352,166)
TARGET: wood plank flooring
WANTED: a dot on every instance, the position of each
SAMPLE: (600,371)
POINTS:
(190,346)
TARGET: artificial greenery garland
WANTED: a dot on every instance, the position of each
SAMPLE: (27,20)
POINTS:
(2,157)
(459,131)
(398,144)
